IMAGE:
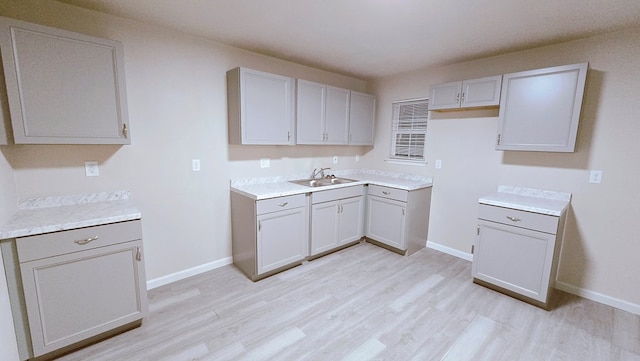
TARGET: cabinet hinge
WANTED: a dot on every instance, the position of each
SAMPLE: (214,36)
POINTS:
(498,139)
(478,230)
(259,226)
(473,248)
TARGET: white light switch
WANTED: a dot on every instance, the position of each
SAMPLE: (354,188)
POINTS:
(91,169)
(195,165)
(438,164)
(265,163)
(595,176)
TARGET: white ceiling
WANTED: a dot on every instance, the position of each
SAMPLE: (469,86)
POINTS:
(373,38)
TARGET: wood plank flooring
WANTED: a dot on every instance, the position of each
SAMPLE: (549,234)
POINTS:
(366,303)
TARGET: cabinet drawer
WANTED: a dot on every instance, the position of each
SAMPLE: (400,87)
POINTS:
(335,194)
(388,192)
(513,217)
(75,240)
(280,203)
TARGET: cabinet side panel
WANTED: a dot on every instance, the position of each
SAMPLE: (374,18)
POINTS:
(243,233)
(233,105)
(418,211)
(16,297)
(6,134)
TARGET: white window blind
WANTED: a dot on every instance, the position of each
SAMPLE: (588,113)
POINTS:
(409,129)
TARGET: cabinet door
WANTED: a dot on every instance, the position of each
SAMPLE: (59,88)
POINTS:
(516,259)
(350,227)
(324,226)
(445,96)
(310,112)
(281,239)
(481,92)
(266,107)
(386,221)
(361,118)
(540,109)
(63,87)
(78,295)
(337,116)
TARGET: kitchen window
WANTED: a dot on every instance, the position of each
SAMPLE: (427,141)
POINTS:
(409,130)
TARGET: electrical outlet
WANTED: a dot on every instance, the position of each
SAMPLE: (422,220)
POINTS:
(265,163)
(195,165)
(595,176)
(335,159)
(438,164)
(357,157)
(91,169)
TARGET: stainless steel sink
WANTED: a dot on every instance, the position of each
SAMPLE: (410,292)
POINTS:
(337,180)
(308,182)
(322,182)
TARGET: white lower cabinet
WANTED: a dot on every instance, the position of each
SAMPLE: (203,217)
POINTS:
(336,218)
(268,235)
(397,218)
(67,288)
(516,252)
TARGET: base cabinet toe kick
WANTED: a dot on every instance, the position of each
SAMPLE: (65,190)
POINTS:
(71,288)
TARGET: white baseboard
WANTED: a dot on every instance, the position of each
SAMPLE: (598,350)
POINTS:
(161,281)
(451,251)
(599,297)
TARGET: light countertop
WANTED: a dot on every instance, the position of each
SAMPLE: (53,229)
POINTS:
(530,200)
(52,214)
(271,187)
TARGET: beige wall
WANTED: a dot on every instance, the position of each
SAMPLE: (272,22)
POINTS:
(599,256)
(176,86)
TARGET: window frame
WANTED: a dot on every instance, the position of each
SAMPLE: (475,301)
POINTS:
(415,129)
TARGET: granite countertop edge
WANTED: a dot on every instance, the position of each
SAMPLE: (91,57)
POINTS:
(53,214)
(529,200)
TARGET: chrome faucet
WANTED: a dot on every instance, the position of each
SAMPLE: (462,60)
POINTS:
(318,172)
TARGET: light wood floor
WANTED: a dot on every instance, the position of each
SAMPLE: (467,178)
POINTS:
(366,303)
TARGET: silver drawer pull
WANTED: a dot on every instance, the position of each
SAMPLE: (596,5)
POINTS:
(283,204)
(513,219)
(85,241)
(386,193)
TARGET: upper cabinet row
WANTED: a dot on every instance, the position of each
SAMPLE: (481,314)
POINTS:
(483,92)
(62,87)
(269,109)
(539,109)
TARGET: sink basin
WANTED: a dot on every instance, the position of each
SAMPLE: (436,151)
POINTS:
(337,180)
(322,182)
(308,182)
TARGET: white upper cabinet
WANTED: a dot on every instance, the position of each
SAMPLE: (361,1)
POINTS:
(322,114)
(361,118)
(63,87)
(483,92)
(337,115)
(540,109)
(261,107)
